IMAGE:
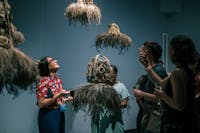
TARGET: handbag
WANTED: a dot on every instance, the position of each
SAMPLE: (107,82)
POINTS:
(152,118)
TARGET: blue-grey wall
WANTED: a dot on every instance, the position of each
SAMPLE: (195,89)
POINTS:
(47,33)
(186,21)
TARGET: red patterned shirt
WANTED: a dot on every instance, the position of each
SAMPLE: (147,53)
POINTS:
(49,84)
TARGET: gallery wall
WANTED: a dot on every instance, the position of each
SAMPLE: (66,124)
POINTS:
(47,32)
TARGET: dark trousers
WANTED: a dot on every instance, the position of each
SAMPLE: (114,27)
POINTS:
(140,129)
(139,118)
(51,121)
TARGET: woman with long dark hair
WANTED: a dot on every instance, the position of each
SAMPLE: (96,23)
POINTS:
(179,89)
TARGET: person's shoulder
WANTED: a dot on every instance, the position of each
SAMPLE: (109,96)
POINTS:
(119,82)
(179,73)
(160,70)
(159,66)
(44,78)
(59,78)
(43,81)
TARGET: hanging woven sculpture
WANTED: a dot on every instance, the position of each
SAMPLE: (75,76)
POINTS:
(98,97)
(113,38)
(83,11)
(17,71)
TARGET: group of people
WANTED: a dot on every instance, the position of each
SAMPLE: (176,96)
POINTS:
(105,97)
(179,87)
(102,76)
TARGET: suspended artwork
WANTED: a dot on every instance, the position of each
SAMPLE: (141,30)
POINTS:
(84,11)
(17,70)
(113,38)
(98,97)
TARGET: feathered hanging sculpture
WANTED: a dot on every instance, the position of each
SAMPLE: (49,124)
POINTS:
(17,71)
(98,95)
(83,11)
(113,38)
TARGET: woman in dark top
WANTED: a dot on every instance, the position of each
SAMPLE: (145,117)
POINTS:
(196,69)
(179,93)
(145,87)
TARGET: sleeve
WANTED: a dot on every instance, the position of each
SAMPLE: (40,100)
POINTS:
(160,70)
(42,88)
(124,91)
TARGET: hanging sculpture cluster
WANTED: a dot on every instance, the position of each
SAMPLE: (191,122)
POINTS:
(86,12)
(17,71)
(113,38)
(83,11)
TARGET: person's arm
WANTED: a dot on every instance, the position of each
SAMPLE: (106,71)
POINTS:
(178,82)
(141,94)
(68,99)
(146,61)
(124,94)
(44,102)
(124,102)
(155,77)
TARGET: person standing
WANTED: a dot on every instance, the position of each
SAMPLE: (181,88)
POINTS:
(144,89)
(120,87)
(178,96)
(50,97)
(196,69)
(121,90)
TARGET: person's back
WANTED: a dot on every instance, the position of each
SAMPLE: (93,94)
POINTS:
(183,119)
